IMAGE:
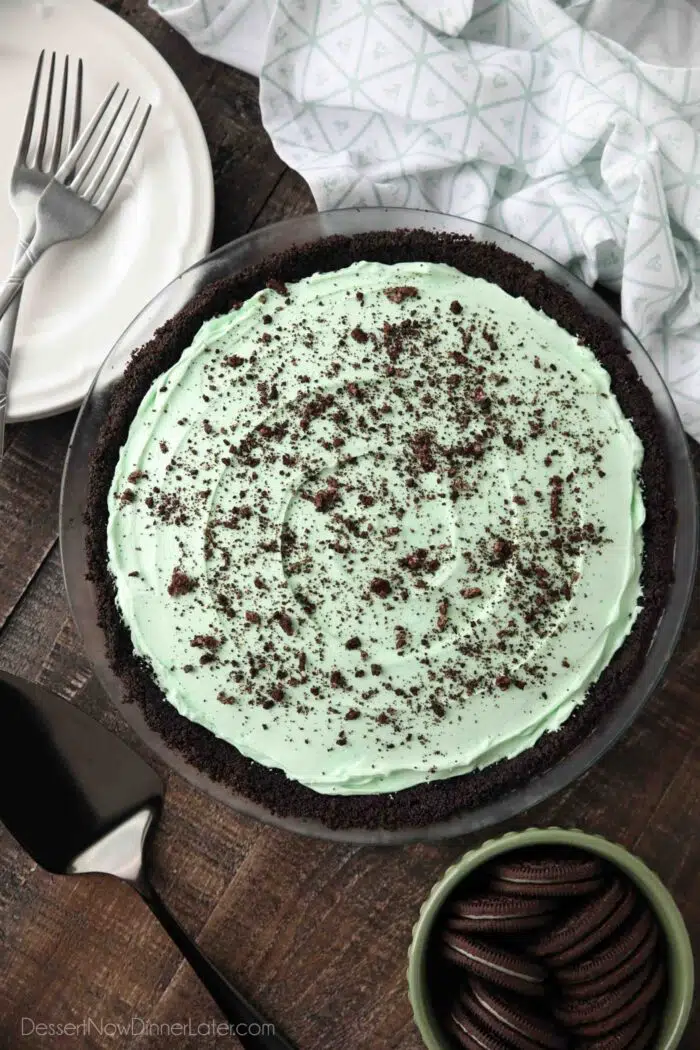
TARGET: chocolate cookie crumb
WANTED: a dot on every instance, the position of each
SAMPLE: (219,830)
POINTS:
(205,641)
(502,550)
(285,622)
(180,583)
(399,294)
(380,587)
(278,286)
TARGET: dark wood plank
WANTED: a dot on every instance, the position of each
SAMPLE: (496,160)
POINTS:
(23,648)
(30,476)
(291,197)
(11,432)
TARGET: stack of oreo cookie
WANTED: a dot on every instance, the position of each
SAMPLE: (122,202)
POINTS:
(551,950)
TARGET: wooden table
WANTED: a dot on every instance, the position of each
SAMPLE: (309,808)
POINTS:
(317,933)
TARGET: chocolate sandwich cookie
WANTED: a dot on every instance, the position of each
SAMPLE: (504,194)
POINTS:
(513,1040)
(565,875)
(495,913)
(625,1011)
(496,964)
(598,968)
(511,1018)
(473,1035)
(637,1034)
(580,923)
(598,935)
(576,1012)
(639,940)
(646,1040)
(647,1037)
(619,973)
(544,889)
(593,924)
(564,866)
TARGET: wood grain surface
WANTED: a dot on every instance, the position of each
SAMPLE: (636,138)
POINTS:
(317,933)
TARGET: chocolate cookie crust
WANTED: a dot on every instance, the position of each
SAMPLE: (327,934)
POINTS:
(438,800)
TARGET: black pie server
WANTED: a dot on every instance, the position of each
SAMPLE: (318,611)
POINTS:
(81,801)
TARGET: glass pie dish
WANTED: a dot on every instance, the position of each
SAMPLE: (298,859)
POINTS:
(251,250)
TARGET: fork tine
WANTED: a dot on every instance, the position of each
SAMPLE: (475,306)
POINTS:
(58,140)
(39,162)
(31,111)
(98,177)
(113,185)
(76,153)
(87,165)
(77,105)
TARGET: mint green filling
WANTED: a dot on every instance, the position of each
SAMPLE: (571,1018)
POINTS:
(300,733)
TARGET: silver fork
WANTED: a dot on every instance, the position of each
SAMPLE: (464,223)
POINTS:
(77,197)
(29,180)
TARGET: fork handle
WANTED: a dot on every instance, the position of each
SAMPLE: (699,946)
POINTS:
(13,284)
(7,337)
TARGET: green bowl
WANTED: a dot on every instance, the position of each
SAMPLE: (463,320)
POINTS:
(681,969)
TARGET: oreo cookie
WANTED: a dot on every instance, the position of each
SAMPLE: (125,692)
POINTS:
(613,955)
(646,1040)
(625,1011)
(580,923)
(619,973)
(513,1040)
(494,913)
(565,875)
(511,1018)
(499,965)
(566,866)
(576,1012)
(598,936)
(546,889)
(635,1035)
(591,927)
(559,951)
(471,1034)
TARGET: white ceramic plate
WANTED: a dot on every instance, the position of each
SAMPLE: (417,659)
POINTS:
(82,295)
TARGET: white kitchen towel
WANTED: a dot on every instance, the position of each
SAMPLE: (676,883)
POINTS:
(234,31)
(573,125)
